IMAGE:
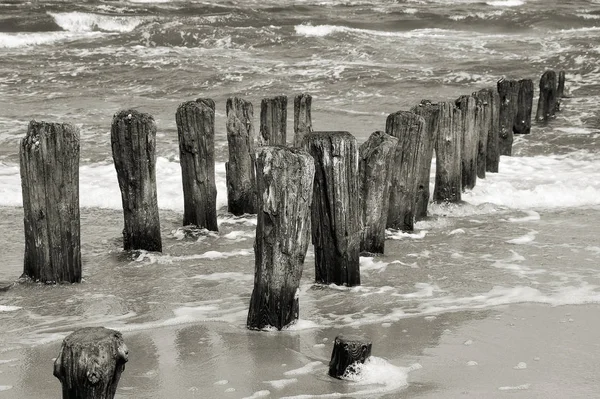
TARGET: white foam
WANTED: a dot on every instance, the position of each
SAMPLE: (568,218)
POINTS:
(236,276)
(523,387)
(239,235)
(4,361)
(370,264)
(280,384)
(506,3)
(306,369)
(520,366)
(401,235)
(87,22)
(259,394)
(153,257)
(472,363)
(309,30)
(18,40)
(531,216)
(6,308)
(221,382)
(5,387)
(525,239)
(302,324)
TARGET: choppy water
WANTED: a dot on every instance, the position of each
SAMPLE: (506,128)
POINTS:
(526,234)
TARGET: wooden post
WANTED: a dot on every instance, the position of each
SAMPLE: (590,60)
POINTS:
(560,89)
(273,121)
(49,157)
(284,179)
(240,176)
(484,125)
(302,117)
(492,153)
(133,139)
(431,113)
(196,133)
(375,172)
(90,363)
(209,102)
(509,103)
(448,178)
(409,128)
(335,217)
(547,101)
(469,107)
(347,352)
(525,105)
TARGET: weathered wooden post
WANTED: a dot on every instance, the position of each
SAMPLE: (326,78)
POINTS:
(335,216)
(49,157)
(90,363)
(348,351)
(469,107)
(240,176)
(133,140)
(375,172)
(431,113)
(509,102)
(284,179)
(302,117)
(560,89)
(209,102)
(492,153)
(196,133)
(525,105)
(548,97)
(273,121)
(410,130)
(448,178)
(484,124)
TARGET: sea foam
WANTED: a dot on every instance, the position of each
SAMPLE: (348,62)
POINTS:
(87,22)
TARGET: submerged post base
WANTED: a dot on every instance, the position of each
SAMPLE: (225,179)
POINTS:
(347,352)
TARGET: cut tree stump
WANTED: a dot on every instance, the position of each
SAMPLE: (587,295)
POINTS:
(90,363)
(335,216)
(431,113)
(448,179)
(469,107)
(348,351)
(525,101)
(196,133)
(484,125)
(375,172)
(410,130)
(240,175)
(508,91)
(273,121)
(133,139)
(284,179)
(302,117)
(49,159)
(548,97)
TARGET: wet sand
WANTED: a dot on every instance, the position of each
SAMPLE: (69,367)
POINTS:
(520,350)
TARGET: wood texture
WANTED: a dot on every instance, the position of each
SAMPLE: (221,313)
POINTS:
(90,363)
(508,90)
(469,107)
(335,216)
(448,155)
(547,102)
(240,175)
(284,178)
(431,113)
(525,105)
(410,130)
(273,121)
(196,133)
(484,124)
(376,157)
(133,139)
(348,351)
(49,158)
(560,89)
(302,117)
(492,154)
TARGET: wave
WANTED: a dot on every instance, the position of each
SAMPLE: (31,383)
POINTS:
(506,3)
(88,22)
(19,40)
(308,30)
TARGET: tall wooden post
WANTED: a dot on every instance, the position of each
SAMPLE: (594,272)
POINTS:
(547,101)
(273,121)
(375,172)
(525,105)
(284,179)
(409,128)
(133,139)
(484,125)
(469,107)
(302,117)
(335,217)
(49,156)
(509,102)
(240,175)
(448,178)
(90,363)
(492,153)
(196,132)
(560,88)
(209,102)
(431,113)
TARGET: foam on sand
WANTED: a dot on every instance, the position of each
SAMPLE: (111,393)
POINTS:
(280,384)
(6,308)
(259,394)
(306,369)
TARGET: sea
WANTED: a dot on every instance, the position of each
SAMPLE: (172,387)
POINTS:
(524,239)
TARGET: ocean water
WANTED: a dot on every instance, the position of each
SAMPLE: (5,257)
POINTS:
(526,235)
